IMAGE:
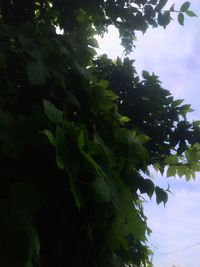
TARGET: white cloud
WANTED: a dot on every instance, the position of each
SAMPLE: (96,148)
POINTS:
(177,225)
(110,44)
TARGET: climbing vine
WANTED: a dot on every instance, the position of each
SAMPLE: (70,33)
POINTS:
(78,134)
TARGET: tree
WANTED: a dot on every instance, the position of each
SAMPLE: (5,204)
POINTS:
(78,132)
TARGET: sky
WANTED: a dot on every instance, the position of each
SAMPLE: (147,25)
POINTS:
(174,55)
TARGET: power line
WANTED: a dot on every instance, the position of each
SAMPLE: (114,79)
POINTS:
(179,250)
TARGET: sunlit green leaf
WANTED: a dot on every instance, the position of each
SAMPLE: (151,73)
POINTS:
(190,13)
(110,94)
(171,171)
(180,171)
(124,119)
(172,159)
(103,83)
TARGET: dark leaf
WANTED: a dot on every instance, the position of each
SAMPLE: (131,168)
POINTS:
(185,6)
(181,19)
(72,99)
(37,73)
(164,18)
(146,186)
(177,102)
(153,2)
(160,5)
(172,8)
(161,195)
(101,190)
(149,11)
(53,114)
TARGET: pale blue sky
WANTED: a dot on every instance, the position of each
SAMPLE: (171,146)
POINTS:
(174,55)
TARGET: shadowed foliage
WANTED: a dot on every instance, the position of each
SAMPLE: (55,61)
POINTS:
(78,134)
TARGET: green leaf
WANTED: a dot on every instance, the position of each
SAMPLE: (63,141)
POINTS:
(192,154)
(182,147)
(181,19)
(177,102)
(93,42)
(187,174)
(103,83)
(196,124)
(185,109)
(171,171)
(146,186)
(143,138)
(124,119)
(101,189)
(180,171)
(185,6)
(164,18)
(81,140)
(117,233)
(161,195)
(172,159)
(153,2)
(197,146)
(107,152)
(190,13)
(172,8)
(145,74)
(149,11)
(94,164)
(193,175)
(110,94)
(53,114)
(160,5)
(123,201)
(50,137)
(37,73)
(34,246)
(105,104)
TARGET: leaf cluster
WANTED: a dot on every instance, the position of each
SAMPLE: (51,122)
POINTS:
(78,132)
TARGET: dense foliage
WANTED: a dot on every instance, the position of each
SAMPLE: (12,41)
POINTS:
(78,133)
